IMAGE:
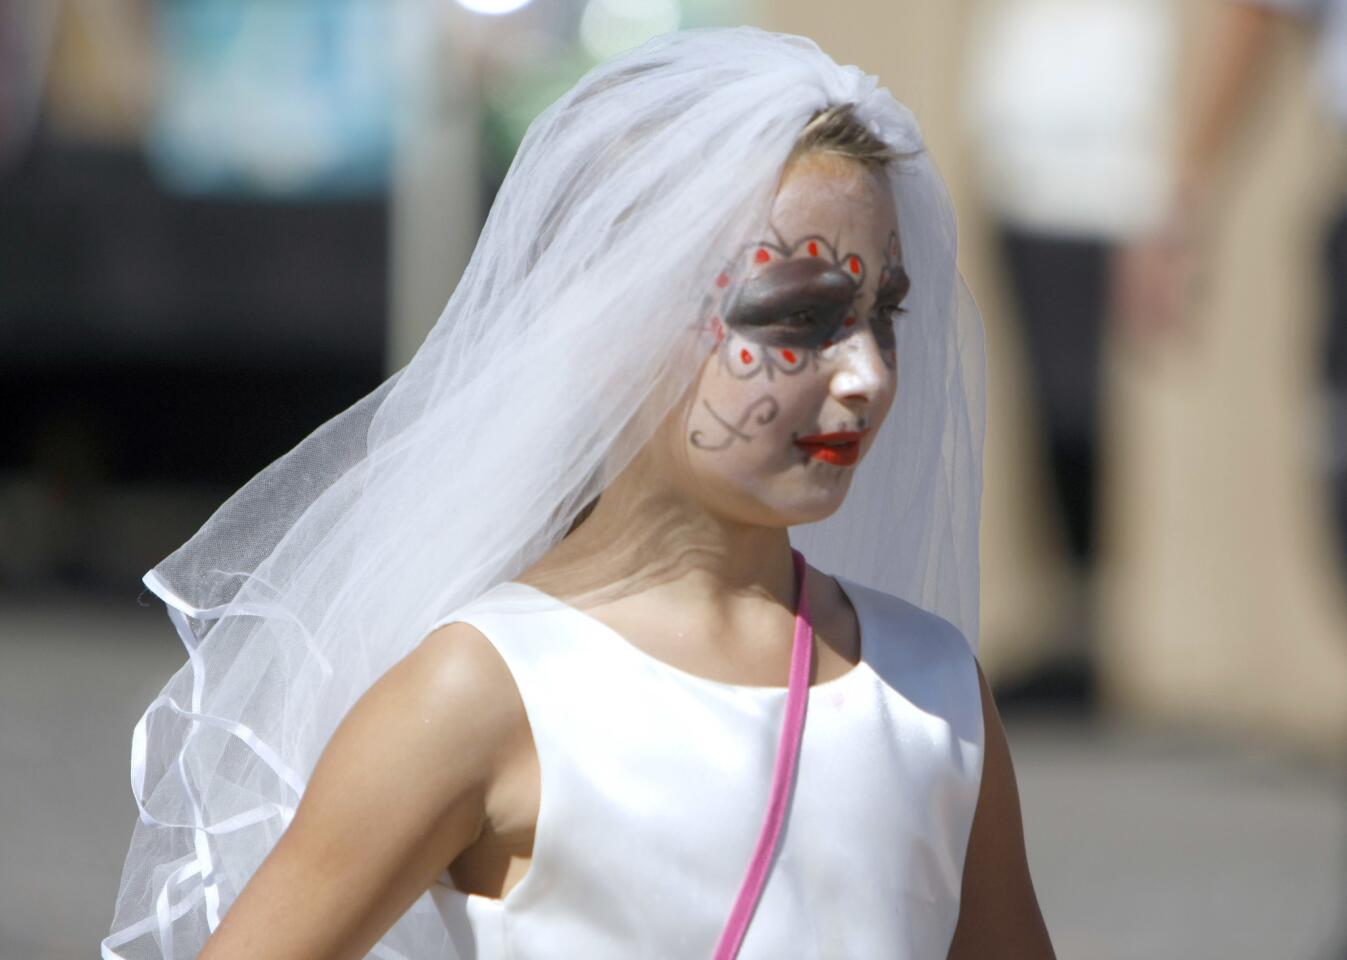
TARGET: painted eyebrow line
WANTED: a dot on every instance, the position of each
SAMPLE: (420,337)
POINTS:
(897,286)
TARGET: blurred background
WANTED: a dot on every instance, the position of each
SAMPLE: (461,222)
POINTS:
(222,221)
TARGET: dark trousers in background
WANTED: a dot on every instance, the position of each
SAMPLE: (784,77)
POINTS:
(1061,287)
(1335,371)
(1061,290)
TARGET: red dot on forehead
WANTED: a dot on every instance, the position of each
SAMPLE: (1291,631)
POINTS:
(813,248)
(762,256)
(855,264)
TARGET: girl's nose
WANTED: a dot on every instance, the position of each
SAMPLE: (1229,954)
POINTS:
(861,372)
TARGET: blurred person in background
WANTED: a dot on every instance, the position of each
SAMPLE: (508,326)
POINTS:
(1158,274)
(185,185)
(1066,113)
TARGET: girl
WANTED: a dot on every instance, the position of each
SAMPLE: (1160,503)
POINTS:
(515,626)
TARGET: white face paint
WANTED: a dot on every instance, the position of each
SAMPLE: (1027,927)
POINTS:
(805,350)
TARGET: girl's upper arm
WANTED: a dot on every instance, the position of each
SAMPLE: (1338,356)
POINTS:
(396,795)
(998,912)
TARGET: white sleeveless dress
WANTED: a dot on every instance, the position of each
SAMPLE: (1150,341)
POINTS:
(654,784)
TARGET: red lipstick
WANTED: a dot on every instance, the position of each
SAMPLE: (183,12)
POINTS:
(842,448)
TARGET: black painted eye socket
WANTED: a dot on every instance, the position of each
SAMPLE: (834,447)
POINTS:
(884,323)
(799,318)
(792,318)
(803,327)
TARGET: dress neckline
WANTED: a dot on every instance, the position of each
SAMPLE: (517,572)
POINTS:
(861,667)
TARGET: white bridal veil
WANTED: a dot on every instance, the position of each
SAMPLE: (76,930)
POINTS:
(579,321)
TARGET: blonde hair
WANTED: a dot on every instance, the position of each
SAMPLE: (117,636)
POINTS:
(837,130)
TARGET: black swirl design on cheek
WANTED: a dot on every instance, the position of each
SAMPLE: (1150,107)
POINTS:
(735,431)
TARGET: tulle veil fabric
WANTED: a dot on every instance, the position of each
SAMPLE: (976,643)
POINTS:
(577,324)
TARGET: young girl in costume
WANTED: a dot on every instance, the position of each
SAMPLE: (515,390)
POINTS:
(637,615)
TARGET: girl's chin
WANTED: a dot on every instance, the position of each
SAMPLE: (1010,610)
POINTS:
(817,503)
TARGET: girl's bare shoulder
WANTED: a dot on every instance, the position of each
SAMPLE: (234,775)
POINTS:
(458,677)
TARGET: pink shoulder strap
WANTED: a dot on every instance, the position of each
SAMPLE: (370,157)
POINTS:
(783,775)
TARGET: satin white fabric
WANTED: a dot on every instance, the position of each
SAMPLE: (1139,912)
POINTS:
(654,783)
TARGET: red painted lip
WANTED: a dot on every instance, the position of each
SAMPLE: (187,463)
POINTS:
(845,436)
(842,449)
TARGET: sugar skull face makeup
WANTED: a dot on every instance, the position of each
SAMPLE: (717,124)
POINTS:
(804,366)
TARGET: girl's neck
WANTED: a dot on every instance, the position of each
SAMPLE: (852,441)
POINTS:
(645,536)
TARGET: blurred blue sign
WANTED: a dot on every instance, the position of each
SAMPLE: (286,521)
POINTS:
(274,97)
